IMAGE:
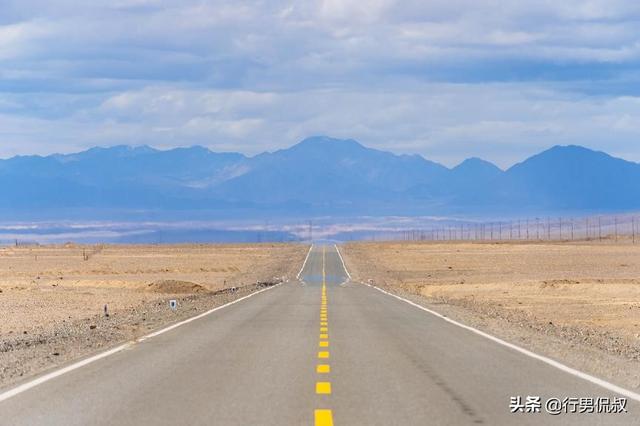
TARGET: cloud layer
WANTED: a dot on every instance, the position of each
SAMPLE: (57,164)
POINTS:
(446,79)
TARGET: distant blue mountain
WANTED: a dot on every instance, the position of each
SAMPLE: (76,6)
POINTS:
(318,176)
(329,172)
(571,178)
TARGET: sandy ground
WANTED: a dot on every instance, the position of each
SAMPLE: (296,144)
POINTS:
(580,295)
(53,297)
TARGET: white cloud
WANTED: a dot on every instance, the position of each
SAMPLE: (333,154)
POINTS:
(444,122)
(252,75)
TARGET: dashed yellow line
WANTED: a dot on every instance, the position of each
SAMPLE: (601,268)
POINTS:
(323,418)
(323,388)
(323,368)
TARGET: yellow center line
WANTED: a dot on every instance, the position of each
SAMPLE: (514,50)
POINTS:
(323,388)
(323,368)
(323,418)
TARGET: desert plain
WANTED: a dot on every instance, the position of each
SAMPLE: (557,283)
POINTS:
(577,302)
(53,298)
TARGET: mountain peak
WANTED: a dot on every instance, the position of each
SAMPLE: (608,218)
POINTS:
(124,149)
(475,163)
(326,142)
(566,155)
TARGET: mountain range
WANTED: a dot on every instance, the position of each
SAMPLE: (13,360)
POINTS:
(318,176)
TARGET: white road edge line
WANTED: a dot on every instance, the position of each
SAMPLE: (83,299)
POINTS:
(602,383)
(304,263)
(343,265)
(40,380)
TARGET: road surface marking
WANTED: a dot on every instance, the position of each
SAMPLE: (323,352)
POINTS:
(43,379)
(305,262)
(344,267)
(323,418)
(323,368)
(602,383)
(577,373)
(323,388)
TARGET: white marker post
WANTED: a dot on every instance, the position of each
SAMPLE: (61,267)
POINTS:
(173,304)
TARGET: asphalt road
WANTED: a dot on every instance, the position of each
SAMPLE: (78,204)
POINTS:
(263,361)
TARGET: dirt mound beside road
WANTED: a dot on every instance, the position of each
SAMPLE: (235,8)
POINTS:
(176,287)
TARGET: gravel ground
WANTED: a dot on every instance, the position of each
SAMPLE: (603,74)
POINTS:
(53,326)
(23,355)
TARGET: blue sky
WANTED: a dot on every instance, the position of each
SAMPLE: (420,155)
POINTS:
(447,79)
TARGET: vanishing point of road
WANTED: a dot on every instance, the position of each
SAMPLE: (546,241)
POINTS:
(319,350)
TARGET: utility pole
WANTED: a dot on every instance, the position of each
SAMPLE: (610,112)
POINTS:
(600,228)
(548,228)
(560,219)
(587,228)
(571,229)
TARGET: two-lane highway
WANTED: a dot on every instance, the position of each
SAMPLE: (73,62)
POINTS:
(322,350)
